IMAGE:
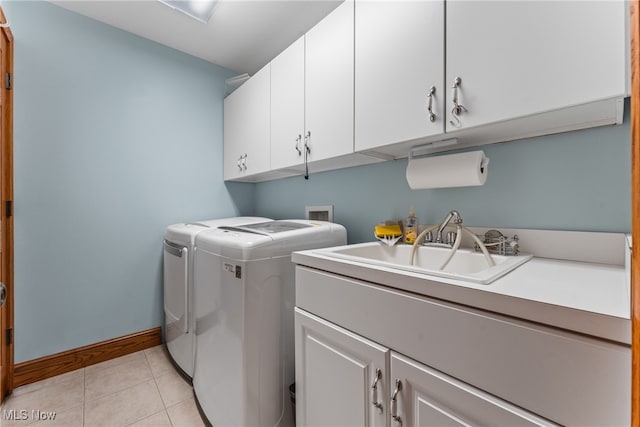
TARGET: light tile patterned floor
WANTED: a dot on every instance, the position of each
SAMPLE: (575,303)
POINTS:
(139,389)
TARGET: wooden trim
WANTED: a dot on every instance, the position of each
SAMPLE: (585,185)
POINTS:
(635,212)
(6,193)
(6,30)
(67,361)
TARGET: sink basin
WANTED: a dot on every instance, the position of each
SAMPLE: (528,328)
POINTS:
(465,264)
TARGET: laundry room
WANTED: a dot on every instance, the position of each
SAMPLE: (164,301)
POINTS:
(118,135)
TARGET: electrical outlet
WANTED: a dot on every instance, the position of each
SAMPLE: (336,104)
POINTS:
(319,213)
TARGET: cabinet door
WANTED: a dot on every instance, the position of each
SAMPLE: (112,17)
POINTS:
(287,106)
(427,397)
(329,84)
(335,371)
(399,56)
(246,127)
(517,58)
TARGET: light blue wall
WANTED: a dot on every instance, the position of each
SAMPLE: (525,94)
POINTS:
(572,181)
(115,138)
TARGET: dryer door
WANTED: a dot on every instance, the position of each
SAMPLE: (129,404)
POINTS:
(176,270)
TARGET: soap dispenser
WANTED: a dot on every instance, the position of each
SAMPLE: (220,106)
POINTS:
(411,227)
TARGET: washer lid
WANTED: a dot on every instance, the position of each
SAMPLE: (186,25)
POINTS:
(185,233)
(270,240)
(266,228)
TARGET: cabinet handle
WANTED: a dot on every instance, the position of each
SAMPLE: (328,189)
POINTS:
(239,163)
(298,139)
(394,402)
(374,390)
(307,138)
(458,108)
(431,95)
(307,151)
(244,161)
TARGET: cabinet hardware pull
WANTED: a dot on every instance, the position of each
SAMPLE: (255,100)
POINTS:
(298,139)
(374,390)
(394,402)
(244,162)
(431,94)
(458,108)
(307,151)
(239,163)
(307,138)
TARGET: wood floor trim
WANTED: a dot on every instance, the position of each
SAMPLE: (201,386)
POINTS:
(70,360)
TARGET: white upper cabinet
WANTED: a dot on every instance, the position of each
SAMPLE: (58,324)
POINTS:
(246,127)
(399,57)
(329,85)
(375,78)
(287,106)
(519,58)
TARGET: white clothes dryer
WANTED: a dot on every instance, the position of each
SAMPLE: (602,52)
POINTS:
(179,321)
(245,294)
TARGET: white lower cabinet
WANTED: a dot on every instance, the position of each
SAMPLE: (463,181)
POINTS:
(450,364)
(427,397)
(343,379)
(335,371)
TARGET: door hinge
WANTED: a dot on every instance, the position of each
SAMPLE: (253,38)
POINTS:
(9,336)
(8,208)
(8,81)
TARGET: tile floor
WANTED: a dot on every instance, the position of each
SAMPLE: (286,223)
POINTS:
(139,389)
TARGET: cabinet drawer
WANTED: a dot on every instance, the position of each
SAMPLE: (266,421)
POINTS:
(565,377)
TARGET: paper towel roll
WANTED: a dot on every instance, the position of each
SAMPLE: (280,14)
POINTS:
(452,170)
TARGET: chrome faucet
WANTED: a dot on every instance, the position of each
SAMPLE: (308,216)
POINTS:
(451,216)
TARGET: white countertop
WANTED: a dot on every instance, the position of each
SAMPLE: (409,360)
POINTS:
(583,297)
(596,288)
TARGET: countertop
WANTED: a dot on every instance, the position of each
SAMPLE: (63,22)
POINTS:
(583,297)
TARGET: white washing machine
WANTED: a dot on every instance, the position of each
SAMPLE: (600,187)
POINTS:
(245,294)
(179,247)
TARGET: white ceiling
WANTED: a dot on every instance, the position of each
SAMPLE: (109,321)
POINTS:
(242,35)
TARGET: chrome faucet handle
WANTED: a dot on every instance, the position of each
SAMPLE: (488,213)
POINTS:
(451,238)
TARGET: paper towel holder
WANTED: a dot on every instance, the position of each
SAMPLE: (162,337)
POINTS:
(430,146)
(438,144)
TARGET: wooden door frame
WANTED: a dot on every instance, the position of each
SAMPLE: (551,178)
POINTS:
(635,211)
(6,196)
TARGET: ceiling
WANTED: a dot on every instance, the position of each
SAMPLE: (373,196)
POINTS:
(242,35)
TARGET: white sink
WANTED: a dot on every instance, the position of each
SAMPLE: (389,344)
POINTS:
(465,264)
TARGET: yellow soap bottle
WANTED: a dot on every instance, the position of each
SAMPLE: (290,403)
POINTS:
(411,227)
